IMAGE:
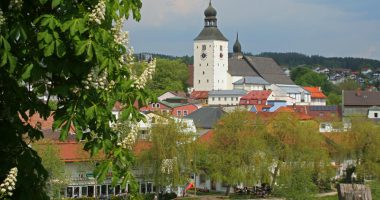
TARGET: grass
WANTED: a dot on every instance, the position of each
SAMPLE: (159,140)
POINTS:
(375,189)
(335,197)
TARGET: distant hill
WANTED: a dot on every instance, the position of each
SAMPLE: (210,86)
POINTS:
(296,59)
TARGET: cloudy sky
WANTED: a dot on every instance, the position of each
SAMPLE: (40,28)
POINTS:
(313,27)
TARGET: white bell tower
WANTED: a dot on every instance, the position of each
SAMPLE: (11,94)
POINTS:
(210,56)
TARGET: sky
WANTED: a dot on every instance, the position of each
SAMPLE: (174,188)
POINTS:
(331,28)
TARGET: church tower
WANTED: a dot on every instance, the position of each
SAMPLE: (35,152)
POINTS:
(210,56)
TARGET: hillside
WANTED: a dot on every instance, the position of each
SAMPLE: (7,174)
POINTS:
(296,59)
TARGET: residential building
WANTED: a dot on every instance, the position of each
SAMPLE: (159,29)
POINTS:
(255,97)
(357,103)
(295,95)
(225,97)
(374,112)
(317,96)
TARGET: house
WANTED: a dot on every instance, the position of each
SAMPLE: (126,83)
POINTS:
(250,83)
(317,96)
(255,97)
(294,94)
(225,97)
(205,118)
(357,103)
(168,95)
(374,112)
(366,71)
(201,96)
(175,106)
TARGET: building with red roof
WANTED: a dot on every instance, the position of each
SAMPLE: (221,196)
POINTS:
(255,97)
(317,96)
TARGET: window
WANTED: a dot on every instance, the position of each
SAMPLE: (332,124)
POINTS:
(117,189)
(203,72)
(376,115)
(219,98)
(197,46)
(149,187)
(199,81)
(84,191)
(110,190)
(237,98)
(200,65)
(104,190)
(76,192)
(158,105)
(232,98)
(213,98)
(90,190)
(203,47)
(225,98)
(185,113)
(221,48)
(179,112)
(259,102)
(207,64)
(207,80)
(142,188)
(69,192)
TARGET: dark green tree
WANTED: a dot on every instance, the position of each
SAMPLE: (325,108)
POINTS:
(171,75)
(77,52)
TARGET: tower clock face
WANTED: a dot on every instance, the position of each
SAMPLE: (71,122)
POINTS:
(203,56)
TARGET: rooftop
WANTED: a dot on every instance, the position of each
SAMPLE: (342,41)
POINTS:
(251,80)
(227,93)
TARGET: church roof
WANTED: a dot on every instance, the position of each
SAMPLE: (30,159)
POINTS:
(211,33)
(235,92)
(251,80)
(264,67)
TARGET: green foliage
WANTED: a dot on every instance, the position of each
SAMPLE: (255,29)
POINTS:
(296,183)
(349,85)
(168,142)
(171,75)
(363,144)
(53,46)
(306,77)
(236,149)
(297,59)
(50,156)
(334,99)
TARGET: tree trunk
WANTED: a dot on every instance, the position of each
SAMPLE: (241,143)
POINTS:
(274,175)
(228,190)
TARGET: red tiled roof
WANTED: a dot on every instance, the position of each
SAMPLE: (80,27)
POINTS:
(206,137)
(316,92)
(199,95)
(257,94)
(141,145)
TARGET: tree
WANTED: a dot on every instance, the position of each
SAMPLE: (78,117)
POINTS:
(77,52)
(295,148)
(349,85)
(235,153)
(363,142)
(171,75)
(168,161)
(51,161)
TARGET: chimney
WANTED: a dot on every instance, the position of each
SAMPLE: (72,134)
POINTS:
(358,92)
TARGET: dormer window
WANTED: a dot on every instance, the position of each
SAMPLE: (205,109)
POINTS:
(204,47)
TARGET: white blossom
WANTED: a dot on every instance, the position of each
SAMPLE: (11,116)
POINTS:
(120,36)
(141,81)
(127,133)
(167,165)
(9,184)
(2,18)
(15,4)
(98,13)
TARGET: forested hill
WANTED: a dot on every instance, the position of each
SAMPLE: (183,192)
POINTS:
(296,59)
(293,60)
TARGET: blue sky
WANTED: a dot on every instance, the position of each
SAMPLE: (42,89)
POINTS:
(314,27)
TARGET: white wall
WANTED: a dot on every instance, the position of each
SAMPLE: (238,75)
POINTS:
(372,114)
(223,100)
(210,73)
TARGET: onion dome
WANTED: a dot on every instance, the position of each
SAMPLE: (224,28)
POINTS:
(210,11)
(237,46)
